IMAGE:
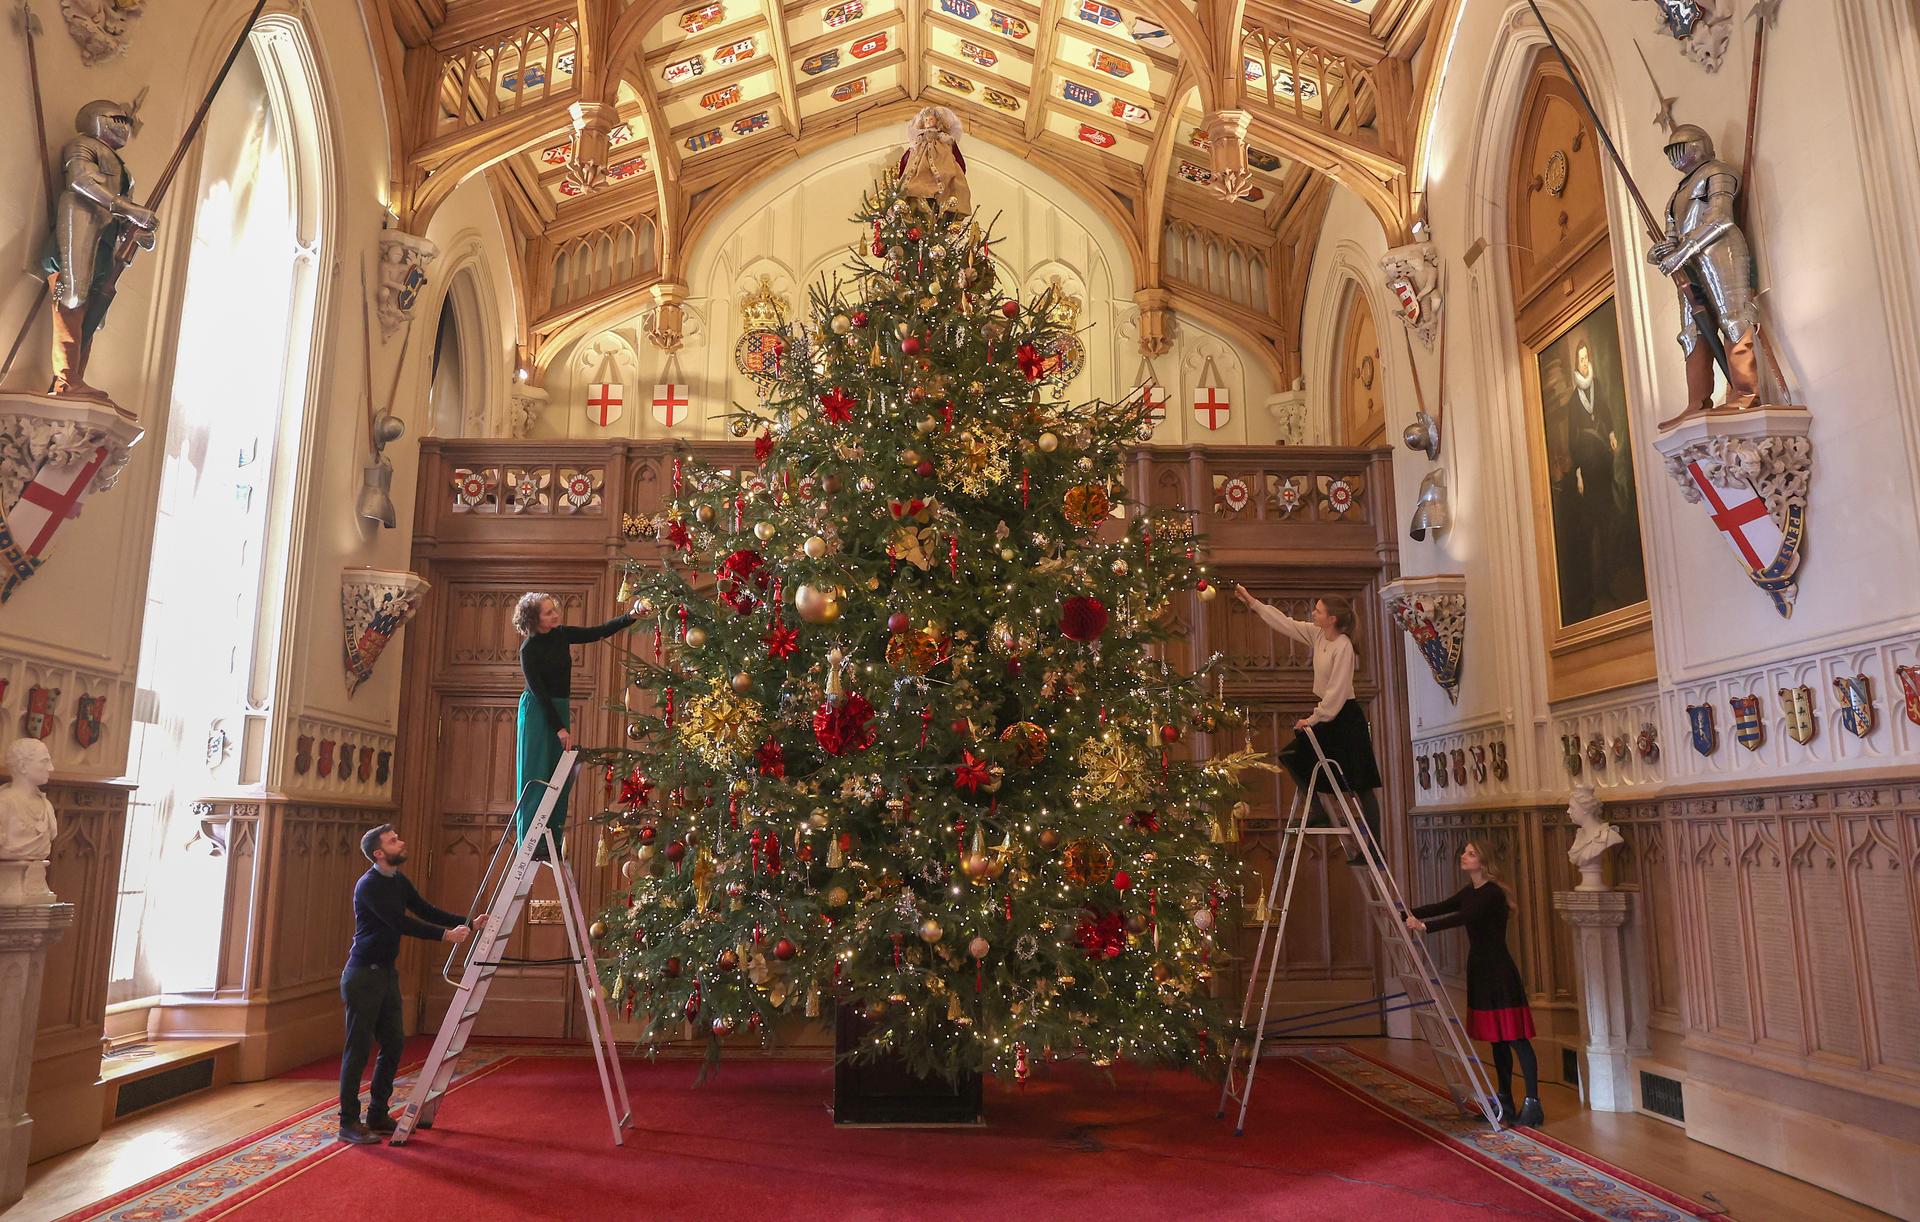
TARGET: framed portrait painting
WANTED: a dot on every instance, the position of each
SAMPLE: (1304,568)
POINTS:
(1594,575)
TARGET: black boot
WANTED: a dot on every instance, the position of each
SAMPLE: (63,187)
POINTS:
(380,1122)
(1508,1112)
(1530,1113)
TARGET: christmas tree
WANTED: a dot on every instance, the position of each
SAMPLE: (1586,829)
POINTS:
(910,747)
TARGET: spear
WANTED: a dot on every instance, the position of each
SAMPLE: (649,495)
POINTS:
(124,252)
(29,25)
(1682,277)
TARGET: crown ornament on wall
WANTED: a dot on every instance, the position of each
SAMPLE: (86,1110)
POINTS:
(763,309)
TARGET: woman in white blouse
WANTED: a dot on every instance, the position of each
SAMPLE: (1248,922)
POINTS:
(1337,720)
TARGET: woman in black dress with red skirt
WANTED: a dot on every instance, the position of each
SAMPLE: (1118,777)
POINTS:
(1497,1009)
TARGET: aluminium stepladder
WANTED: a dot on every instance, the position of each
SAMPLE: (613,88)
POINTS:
(1421,992)
(484,959)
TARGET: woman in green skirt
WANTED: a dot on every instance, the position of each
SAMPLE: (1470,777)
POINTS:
(546,660)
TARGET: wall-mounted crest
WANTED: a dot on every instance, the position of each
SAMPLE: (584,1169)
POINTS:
(1433,611)
(1701,27)
(1413,276)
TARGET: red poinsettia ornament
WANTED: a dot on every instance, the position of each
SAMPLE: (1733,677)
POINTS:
(782,641)
(737,571)
(770,759)
(679,536)
(971,773)
(843,727)
(837,405)
(1030,361)
(763,447)
(1083,618)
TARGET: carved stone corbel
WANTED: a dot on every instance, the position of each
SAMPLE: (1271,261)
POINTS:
(55,451)
(664,322)
(1155,321)
(1226,133)
(1413,276)
(525,403)
(1433,611)
(593,124)
(403,277)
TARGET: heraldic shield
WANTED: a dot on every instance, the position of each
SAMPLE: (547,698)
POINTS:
(1856,703)
(1701,731)
(1797,704)
(1910,687)
(1748,730)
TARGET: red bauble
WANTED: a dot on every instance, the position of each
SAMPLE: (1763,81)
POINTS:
(1122,880)
(729,960)
(1010,308)
(784,949)
(859,318)
(672,966)
(1013,666)
(879,248)
(898,622)
(843,727)
(1083,618)
(1169,734)
(647,834)
(925,469)
(676,850)
(910,345)
(1200,584)
(913,233)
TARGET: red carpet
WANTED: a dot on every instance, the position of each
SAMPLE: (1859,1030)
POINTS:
(327,1069)
(530,1140)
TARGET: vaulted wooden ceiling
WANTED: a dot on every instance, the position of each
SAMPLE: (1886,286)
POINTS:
(619,128)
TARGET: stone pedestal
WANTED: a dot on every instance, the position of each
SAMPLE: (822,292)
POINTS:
(1613,992)
(25,934)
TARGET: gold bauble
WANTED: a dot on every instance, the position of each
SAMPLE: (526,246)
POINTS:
(705,514)
(626,870)
(1210,593)
(932,931)
(1028,740)
(830,612)
(743,683)
(815,547)
(1089,862)
(597,930)
(739,426)
(763,531)
(841,324)
(1049,839)
(927,425)
(977,866)
(696,637)
(836,897)
(1049,442)
(811,603)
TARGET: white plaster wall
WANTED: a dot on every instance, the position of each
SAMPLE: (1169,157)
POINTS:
(80,616)
(795,228)
(1827,227)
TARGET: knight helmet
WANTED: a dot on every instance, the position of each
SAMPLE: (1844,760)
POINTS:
(1688,146)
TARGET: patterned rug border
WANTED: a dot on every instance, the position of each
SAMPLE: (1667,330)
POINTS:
(1501,1152)
(263,1167)
(1564,1176)
(1671,1197)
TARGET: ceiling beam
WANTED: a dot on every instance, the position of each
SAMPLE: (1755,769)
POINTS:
(784,78)
(1046,34)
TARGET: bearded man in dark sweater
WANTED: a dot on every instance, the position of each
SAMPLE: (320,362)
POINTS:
(385,907)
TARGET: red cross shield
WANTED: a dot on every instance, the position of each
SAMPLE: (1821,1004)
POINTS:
(1212,407)
(605,403)
(670,403)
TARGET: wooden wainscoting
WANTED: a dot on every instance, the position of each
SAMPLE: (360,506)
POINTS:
(64,1095)
(290,865)
(1286,539)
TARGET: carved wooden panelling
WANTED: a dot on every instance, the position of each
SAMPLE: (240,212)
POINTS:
(1559,206)
(85,872)
(1820,899)
(1883,879)
(478,630)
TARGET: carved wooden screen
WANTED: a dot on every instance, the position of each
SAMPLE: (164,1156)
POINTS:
(1363,419)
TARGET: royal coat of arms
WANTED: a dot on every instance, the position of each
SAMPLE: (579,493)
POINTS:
(1748,729)
(374,604)
(1700,729)
(1796,703)
(758,354)
(1856,703)
(1436,620)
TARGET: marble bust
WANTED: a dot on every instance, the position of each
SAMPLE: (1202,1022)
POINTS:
(26,824)
(1593,839)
